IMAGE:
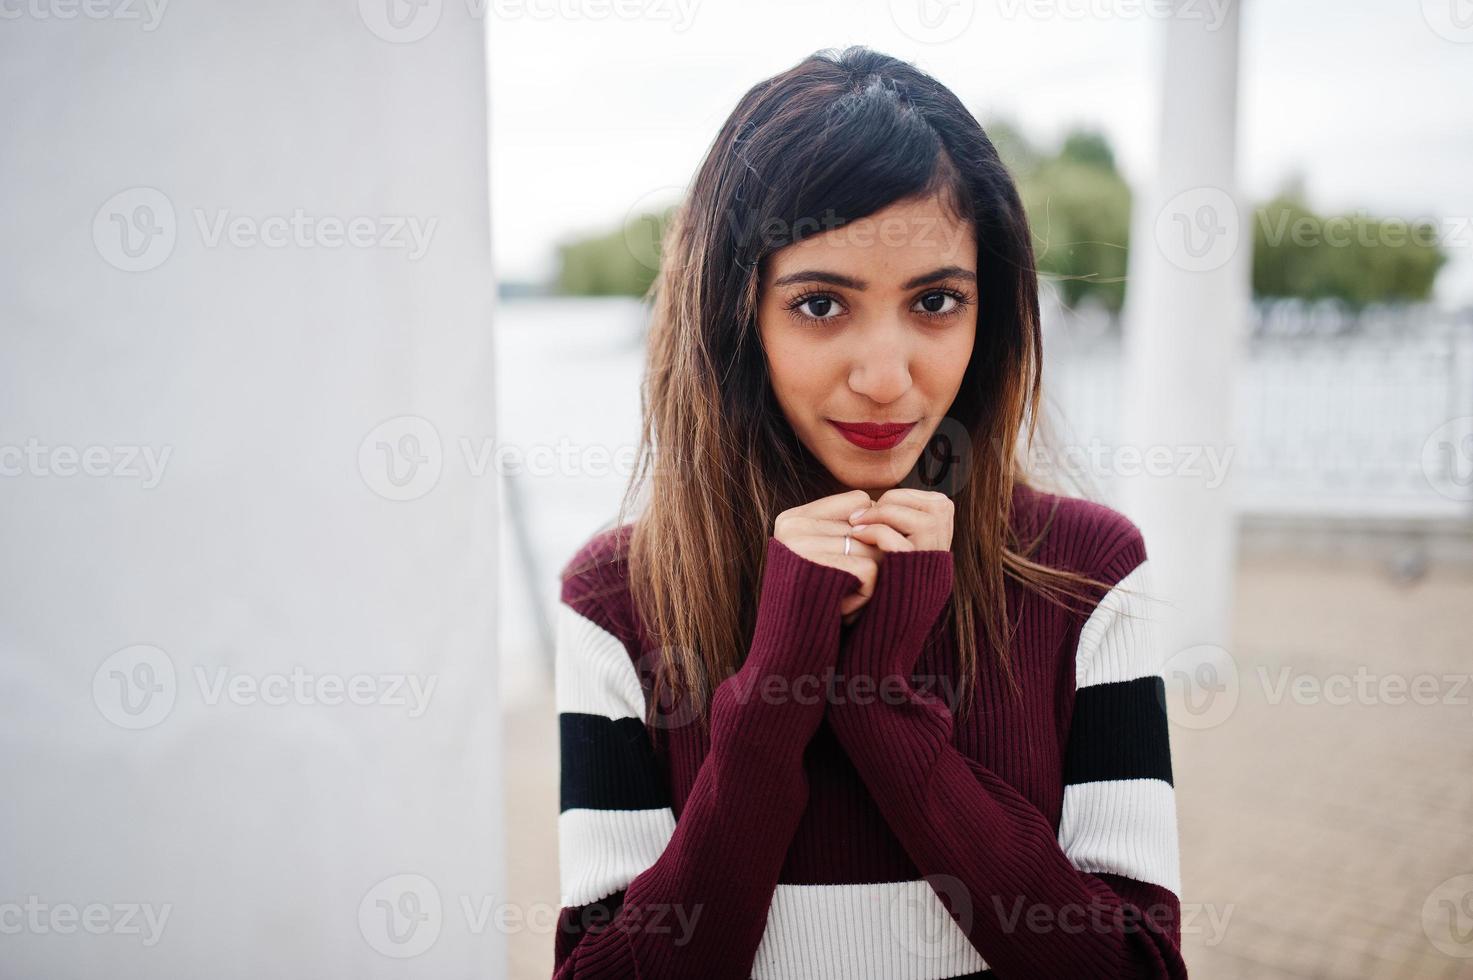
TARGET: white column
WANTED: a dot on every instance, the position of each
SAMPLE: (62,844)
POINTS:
(246,630)
(1186,317)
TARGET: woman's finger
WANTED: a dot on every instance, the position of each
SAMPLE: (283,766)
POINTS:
(838,507)
(930,501)
(906,520)
(804,525)
(834,544)
(883,536)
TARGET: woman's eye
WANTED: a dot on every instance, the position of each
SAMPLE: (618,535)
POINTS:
(818,307)
(937,304)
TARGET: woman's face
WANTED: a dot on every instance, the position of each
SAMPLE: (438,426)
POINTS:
(871,322)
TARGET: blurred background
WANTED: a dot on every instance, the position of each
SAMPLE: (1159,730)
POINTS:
(321,335)
(1253,222)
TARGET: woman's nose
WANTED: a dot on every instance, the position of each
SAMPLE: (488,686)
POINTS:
(880,367)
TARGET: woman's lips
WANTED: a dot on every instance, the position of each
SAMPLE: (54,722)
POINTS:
(874,435)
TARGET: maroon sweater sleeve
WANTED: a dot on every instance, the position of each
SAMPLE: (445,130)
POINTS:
(722,863)
(962,824)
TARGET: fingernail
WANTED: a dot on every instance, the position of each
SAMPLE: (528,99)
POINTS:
(858,513)
(860,527)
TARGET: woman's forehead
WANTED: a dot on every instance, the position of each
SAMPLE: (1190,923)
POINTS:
(883,250)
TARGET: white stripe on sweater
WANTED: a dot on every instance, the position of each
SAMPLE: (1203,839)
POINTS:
(1124,827)
(593,674)
(601,851)
(896,929)
(825,932)
(1118,642)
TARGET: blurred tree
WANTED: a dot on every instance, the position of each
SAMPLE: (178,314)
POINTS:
(1088,147)
(1078,208)
(622,262)
(1355,258)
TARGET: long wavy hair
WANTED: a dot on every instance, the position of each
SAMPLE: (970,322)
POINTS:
(838,137)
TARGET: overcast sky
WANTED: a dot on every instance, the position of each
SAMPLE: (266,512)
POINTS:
(594,115)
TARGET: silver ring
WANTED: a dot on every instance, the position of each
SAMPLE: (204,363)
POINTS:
(846,544)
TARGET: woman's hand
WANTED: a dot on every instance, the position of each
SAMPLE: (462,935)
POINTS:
(903,520)
(816,531)
(907,520)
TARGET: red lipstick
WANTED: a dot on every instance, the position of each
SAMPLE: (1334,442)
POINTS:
(874,435)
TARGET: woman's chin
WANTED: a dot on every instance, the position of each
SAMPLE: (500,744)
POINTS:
(879,475)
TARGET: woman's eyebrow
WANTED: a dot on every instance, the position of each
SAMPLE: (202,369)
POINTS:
(848,282)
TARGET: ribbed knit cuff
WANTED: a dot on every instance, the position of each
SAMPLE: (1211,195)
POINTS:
(772,700)
(797,612)
(911,590)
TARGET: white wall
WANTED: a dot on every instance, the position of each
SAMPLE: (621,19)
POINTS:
(259,541)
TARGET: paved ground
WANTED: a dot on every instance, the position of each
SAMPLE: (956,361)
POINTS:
(1324,827)
(1315,832)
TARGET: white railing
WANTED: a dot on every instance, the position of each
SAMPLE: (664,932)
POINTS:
(1336,417)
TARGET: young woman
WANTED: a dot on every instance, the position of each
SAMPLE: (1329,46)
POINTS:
(850,697)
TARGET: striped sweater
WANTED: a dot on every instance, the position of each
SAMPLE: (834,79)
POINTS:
(834,820)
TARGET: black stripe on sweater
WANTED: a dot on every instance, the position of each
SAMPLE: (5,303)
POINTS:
(608,764)
(1119,732)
